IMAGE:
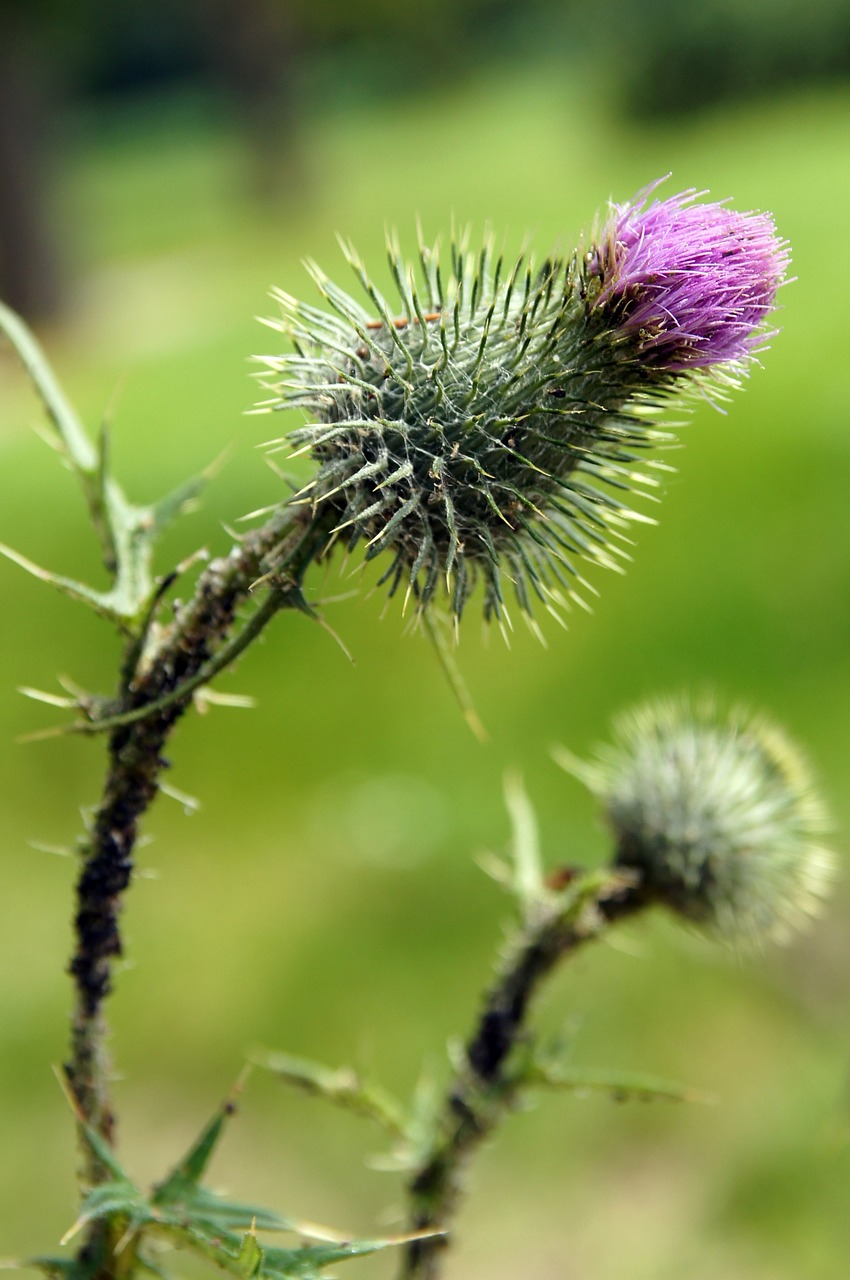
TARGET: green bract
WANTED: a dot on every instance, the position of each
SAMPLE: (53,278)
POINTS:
(484,427)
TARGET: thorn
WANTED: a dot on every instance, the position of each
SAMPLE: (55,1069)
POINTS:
(124,1241)
(334,636)
(260,511)
(204,698)
(534,628)
(68,1094)
(58,731)
(190,803)
(495,868)
(76,691)
(61,850)
(52,699)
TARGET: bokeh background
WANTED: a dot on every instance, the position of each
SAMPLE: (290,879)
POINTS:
(161,166)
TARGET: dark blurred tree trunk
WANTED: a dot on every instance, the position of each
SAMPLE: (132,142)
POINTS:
(30,279)
(253,49)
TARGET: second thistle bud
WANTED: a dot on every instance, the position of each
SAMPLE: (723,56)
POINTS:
(716,815)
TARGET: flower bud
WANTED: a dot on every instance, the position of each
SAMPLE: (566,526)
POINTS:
(693,282)
(716,816)
(487,426)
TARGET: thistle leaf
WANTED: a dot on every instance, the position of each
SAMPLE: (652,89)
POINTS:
(243,1256)
(343,1086)
(57,1268)
(74,443)
(250,1256)
(620,1086)
(101,602)
(180,500)
(186,1175)
(208,1211)
(111,1200)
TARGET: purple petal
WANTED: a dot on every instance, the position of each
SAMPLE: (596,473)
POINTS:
(696,282)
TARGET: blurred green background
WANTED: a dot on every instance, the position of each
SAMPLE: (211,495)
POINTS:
(325,899)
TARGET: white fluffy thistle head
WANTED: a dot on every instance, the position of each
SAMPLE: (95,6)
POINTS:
(716,815)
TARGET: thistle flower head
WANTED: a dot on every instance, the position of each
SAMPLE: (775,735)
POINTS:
(717,815)
(695,282)
(487,425)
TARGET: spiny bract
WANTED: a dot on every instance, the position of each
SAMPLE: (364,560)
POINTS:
(484,426)
(716,814)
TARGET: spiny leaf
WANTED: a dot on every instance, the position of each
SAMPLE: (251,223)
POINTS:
(166,510)
(104,1154)
(110,1200)
(102,602)
(75,443)
(57,1268)
(310,1260)
(208,1211)
(250,1256)
(621,1086)
(343,1086)
(187,1174)
(306,1262)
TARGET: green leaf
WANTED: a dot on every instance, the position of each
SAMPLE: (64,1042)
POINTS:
(310,1260)
(180,1201)
(126,532)
(58,1268)
(207,1210)
(73,441)
(243,1256)
(174,504)
(186,1175)
(102,602)
(343,1086)
(110,1200)
(250,1258)
(105,1155)
(621,1086)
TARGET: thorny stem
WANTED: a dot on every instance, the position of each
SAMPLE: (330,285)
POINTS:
(279,553)
(482,1091)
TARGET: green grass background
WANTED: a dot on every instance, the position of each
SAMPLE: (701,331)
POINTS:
(325,900)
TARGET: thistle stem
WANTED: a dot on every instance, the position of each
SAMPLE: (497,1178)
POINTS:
(196,645)
(483,1090)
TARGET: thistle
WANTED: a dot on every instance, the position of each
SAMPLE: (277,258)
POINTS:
(694,283)
(716,815)
(488,425)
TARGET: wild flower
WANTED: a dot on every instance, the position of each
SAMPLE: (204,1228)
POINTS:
(489,424)
(716,815)
(694,282)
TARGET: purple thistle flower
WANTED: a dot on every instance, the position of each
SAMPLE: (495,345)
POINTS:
(695,282)
(488,428)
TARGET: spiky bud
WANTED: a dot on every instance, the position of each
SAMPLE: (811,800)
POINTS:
(485,426)
(715,814)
